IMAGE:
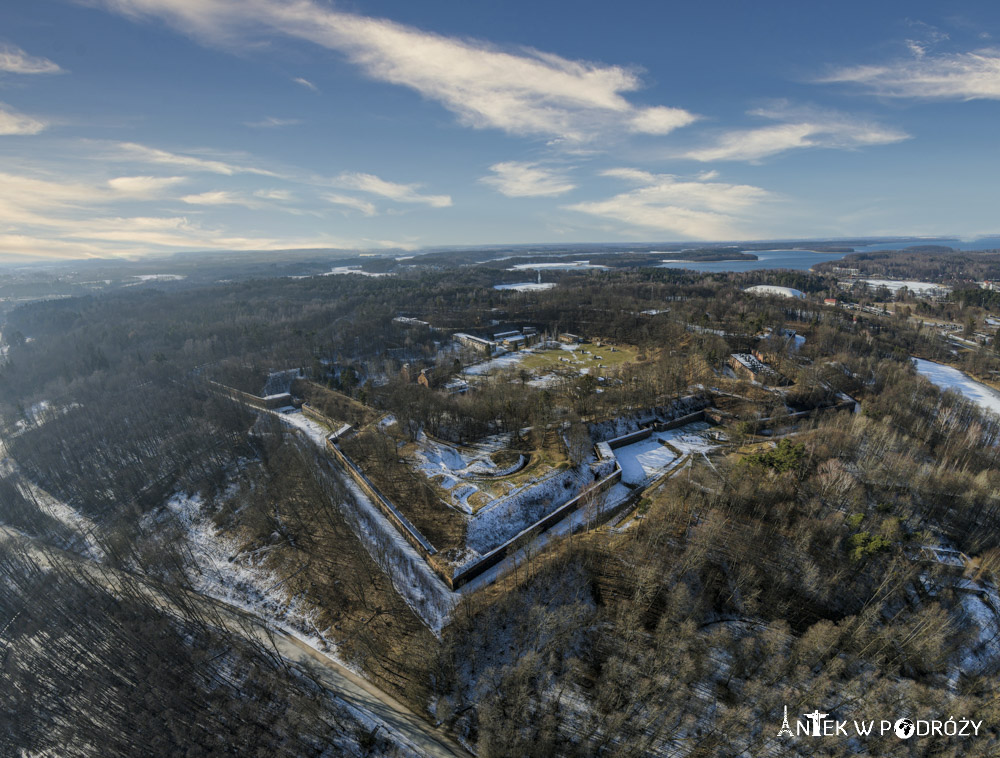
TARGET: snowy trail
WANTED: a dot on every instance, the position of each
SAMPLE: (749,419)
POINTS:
(368,702)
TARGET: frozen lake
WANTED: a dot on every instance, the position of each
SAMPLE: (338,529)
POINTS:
(947,378)
(801,260)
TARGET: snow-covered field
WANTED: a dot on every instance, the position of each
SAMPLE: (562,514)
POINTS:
(525,286)
(947,378)
(160,277)
(894,285)
(567,266)
(650,457)
(508,360)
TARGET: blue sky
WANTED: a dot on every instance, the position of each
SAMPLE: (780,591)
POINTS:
(130,127)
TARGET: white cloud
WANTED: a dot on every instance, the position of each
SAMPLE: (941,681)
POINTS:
(14,123)
(274,194)
(257,200)
(154,156)
(401,193)
(689,208)
(636,175)
(67,218)
(953,76)
(14,60)
(802,128)
(660,120)
(216,197)
(306,83)
(518,179)
(525,92)
(143,186)
(367,208)
(271,122)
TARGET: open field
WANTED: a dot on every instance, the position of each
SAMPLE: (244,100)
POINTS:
(585,355)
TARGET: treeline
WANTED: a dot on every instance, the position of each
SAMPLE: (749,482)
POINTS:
(935,265)
(788,579)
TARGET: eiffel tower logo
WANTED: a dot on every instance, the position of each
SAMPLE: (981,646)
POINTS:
(786,730)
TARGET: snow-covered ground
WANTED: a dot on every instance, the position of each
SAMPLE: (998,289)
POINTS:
(947,378)
(505,517)
(313,429)
(612,498)
(243,582)
(566,266)
(525,286)
(454,470)
(649,458)
(71,517)
(83,527)
(41,412)
(982,610)
(160,277)
(894,285)
(545,380)
(508,360)
(412,578)
(340,270)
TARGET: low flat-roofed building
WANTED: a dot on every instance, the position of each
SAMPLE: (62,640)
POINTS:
(750,366)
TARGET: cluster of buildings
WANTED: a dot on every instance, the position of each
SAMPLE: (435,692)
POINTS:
(512,339)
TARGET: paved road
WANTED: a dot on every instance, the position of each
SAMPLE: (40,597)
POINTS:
(397,720)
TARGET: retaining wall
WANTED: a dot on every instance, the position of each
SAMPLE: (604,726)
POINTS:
(265,403)
(408,530)
(492,558)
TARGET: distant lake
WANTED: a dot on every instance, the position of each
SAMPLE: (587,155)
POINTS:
(801,260)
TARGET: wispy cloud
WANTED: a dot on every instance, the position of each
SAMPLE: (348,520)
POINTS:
(274,194)
(356,203)
(14,60)
(14,123)
(690,208)
(954,76)
(800,128)
(401,193)
(73,218)
(518,179)
(154,156)
(306,83)
(214,197)
(522,91)
(138,187)
(272,123)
